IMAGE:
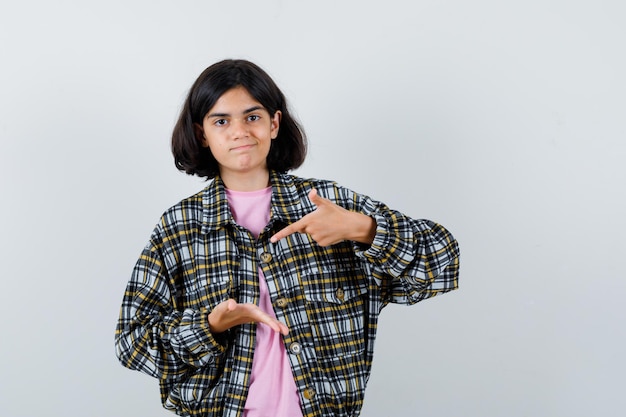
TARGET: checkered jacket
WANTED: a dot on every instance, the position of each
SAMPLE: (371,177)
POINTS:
(329,297)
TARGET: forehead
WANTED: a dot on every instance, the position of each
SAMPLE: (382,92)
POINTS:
(236,100)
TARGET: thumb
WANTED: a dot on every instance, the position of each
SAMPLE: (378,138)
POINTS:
(315,198)
(231,304)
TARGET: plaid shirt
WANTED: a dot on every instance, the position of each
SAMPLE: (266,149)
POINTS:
(329,297)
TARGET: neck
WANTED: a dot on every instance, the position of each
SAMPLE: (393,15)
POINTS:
(245,181)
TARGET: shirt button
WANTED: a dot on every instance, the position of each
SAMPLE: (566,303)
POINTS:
(281,302)
(340,294)
(295,348)
(309,393)
(266,257)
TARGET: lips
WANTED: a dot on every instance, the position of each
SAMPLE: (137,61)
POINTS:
(242,147)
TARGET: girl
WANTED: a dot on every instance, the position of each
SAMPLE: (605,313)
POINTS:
(260,295)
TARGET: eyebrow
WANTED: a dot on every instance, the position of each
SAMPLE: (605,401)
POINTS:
(250,110)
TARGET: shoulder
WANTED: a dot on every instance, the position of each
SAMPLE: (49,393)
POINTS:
(304,185)
(185,215)
(187,209)
(293,193)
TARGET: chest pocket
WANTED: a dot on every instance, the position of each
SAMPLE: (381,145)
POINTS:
(336,308)
(212,270)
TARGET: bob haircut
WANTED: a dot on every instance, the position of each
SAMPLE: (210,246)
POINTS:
(287,150)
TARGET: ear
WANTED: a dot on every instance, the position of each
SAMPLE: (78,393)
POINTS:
(199,133)
(275,124)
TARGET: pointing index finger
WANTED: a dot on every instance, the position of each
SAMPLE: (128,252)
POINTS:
(300,225)
(288,230)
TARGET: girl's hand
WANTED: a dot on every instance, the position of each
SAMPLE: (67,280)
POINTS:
(229,314)
(330,224)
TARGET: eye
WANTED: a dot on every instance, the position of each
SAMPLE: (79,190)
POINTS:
(253,117)
(220,122)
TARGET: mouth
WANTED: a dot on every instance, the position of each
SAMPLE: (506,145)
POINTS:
(242,147)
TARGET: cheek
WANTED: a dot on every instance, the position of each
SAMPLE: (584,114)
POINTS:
(212,142)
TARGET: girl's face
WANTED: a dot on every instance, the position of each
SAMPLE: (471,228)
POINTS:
(238,130)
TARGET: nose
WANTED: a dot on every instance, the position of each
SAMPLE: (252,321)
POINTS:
(239,129)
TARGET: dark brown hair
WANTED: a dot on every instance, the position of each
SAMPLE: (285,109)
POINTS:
(287,151)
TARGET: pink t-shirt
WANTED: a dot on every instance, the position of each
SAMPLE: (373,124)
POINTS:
(273,391)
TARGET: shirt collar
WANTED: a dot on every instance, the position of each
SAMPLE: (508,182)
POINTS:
(285,202)
(286,205)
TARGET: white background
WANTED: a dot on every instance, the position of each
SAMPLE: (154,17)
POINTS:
(502,120)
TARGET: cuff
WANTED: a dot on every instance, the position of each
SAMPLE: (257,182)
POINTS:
(376,251)
(196,335)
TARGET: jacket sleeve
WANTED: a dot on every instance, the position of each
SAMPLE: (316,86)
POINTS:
(154,334)
(412,259)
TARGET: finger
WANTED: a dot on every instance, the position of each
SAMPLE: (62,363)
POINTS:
(289,230)
(279,327)
(284,330)
(315,197)
(231,304)
(274,324)
(281,234)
